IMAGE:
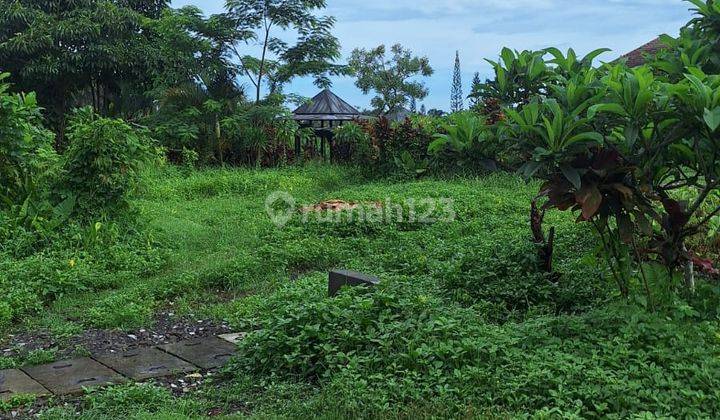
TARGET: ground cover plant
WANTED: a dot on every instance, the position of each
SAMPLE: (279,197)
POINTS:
(450,332)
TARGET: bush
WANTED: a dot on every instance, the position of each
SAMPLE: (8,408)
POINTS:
(27,159)
(102,163)
(352,144)
(260,136)
(466,141)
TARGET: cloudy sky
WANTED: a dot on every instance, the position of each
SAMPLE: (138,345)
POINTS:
(480,28)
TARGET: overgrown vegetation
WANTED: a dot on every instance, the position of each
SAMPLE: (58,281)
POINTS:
(583,287)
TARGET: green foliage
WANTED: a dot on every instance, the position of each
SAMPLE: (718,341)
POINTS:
(616,144)
(314,53)
(353,144)
(399,148)
(456,95)
(696,47)
(121,310)
(63,49)
(397,345)
(102,163)
(518,77)
(260,135)
(27,159)
(465,140)
(390,78)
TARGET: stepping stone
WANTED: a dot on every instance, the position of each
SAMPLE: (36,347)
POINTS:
(142,364)
(206,353)
(15,382)
(234,338)
(71,376)
(339,278)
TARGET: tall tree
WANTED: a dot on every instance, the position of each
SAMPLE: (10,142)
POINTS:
(150,8)
(391,78)
(68,48)
(413,105)
(475,90)
(110,54)
(314,52)
(456,95)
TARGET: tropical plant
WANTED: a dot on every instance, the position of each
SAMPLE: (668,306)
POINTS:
(260,135)
(352,143)
(518,77)
(570,64)
(102,164)
(27,159)
(465,139)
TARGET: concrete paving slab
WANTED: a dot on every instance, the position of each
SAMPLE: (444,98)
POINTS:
(206,353)
(71,376)
(234,338)
(142,364)
(14,382)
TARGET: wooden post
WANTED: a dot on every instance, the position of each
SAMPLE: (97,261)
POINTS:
(322,141)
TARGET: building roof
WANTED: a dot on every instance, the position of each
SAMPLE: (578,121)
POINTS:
(326,106)
(637,58)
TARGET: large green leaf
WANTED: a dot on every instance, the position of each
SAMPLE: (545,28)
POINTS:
(610,107)
(712,118)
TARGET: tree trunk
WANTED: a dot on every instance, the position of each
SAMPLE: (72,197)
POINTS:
(689,273)
(262,64)
(219,140)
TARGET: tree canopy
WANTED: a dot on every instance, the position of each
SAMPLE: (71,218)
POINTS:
(314,51)
(393,79)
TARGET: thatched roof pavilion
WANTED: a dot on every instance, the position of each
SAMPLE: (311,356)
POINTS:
(326,106)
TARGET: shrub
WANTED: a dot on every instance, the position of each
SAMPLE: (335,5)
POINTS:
(260,135)
(27,159)
(352,144)
(6,315)
(102,163)
(465,141)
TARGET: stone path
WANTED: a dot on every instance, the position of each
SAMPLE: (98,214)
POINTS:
(72,376)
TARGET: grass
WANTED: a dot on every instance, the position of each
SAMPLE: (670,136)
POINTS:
(463,324)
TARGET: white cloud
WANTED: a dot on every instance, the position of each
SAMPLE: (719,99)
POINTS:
(480,28)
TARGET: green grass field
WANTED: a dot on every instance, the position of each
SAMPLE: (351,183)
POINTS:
(463,324)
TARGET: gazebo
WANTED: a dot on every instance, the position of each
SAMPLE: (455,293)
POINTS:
(325,108)
(323,113)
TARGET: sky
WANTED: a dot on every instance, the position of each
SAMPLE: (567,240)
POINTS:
(479,29)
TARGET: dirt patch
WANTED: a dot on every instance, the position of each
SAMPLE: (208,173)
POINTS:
(338,206)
